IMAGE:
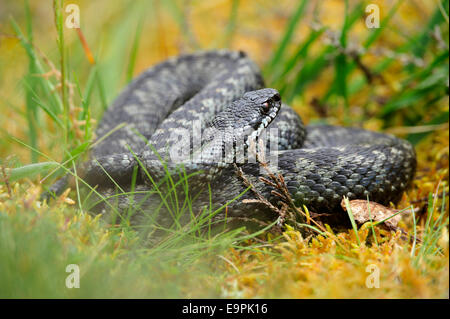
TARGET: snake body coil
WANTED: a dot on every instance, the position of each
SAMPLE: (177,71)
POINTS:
(320,164)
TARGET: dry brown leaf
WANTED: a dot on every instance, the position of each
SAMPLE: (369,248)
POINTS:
(361,208)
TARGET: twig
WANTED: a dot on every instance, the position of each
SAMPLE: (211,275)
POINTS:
(260,198)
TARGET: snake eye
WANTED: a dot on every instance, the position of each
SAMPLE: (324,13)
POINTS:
(266,107)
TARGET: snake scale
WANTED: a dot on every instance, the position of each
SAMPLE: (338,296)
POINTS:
(224,91)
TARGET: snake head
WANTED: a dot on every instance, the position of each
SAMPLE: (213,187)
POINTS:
(245,119)
(257,109)
(254,111)
(240,124)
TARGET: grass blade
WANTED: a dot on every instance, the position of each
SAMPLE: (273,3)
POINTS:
(281,49)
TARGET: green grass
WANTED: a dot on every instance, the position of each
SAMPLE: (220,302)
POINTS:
(34,258)
(432,231)
(116,260)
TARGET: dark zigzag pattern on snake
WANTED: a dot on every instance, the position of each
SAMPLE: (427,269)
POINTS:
(320,164)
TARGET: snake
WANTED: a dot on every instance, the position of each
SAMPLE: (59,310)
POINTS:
(221,94)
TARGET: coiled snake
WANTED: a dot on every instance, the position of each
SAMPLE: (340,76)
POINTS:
(171,103)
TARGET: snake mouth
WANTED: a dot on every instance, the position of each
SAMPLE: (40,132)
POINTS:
(269,118)
(267,104)
(261,124)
